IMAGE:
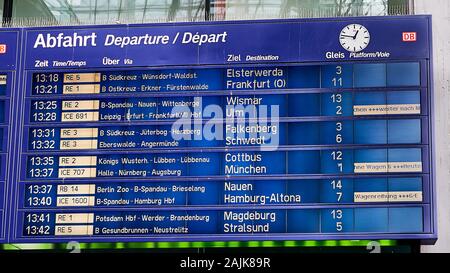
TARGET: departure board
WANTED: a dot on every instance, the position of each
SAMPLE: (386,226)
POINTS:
(305,129)
(9,41)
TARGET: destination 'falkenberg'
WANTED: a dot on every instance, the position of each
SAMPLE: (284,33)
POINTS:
(61,40)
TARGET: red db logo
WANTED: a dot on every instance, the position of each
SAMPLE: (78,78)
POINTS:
(2,48)
(409,36)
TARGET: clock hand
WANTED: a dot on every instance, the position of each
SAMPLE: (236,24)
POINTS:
(342,35)
(356,34)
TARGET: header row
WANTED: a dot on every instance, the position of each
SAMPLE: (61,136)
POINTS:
(370,38)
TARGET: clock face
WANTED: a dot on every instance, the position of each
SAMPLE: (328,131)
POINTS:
(354,37)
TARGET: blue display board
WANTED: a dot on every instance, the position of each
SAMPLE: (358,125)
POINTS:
(9,62)
(255,130)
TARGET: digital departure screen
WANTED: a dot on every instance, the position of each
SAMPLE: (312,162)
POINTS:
(248,130)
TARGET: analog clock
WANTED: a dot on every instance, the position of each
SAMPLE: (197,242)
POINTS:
(354,37)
